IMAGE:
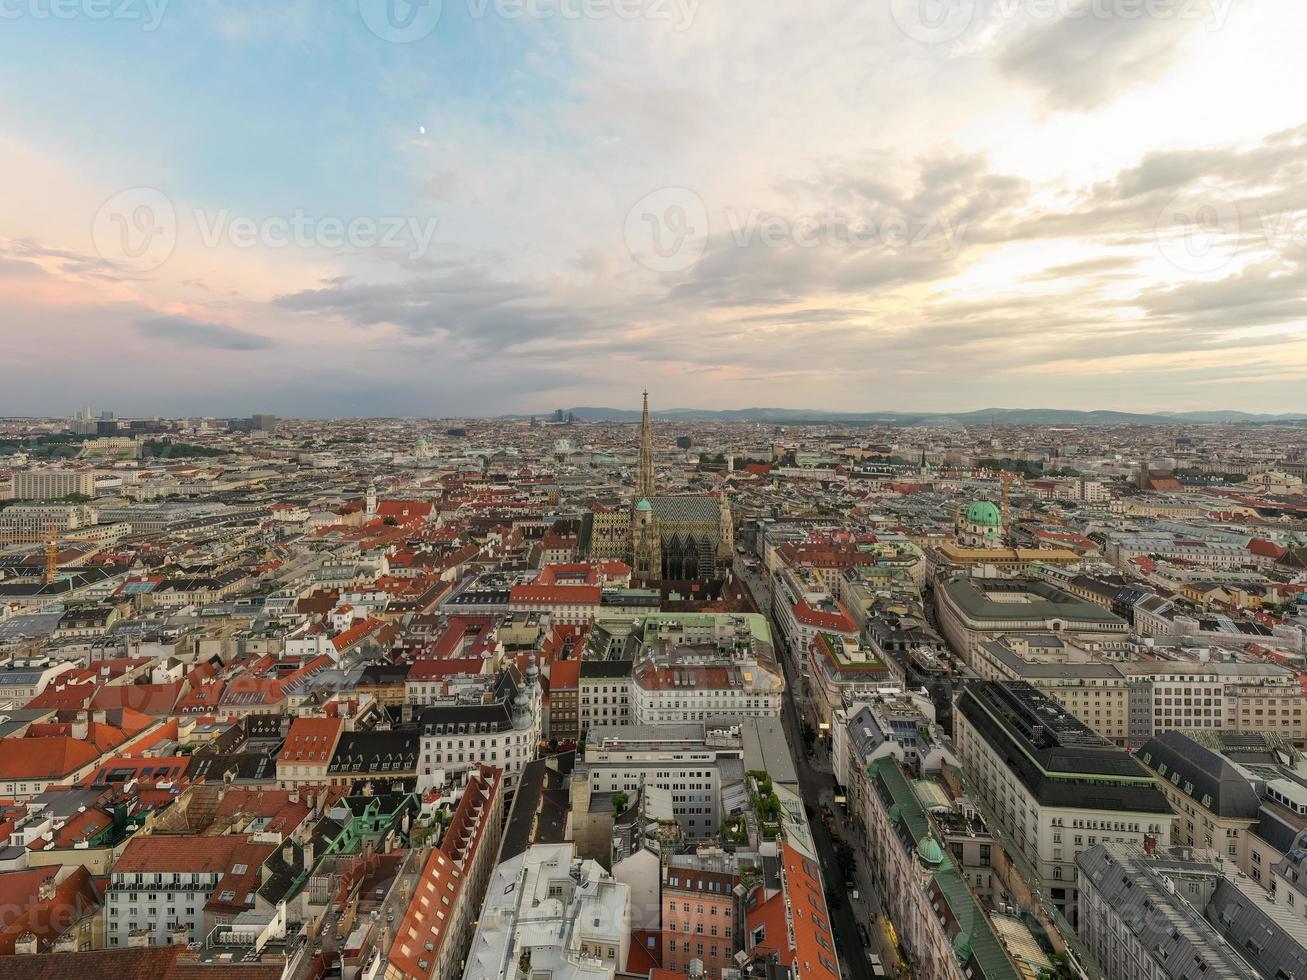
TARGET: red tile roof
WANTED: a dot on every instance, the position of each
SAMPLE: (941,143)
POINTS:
(74,898)
(572,595)
(311,740)
(427,921)
(44,758)
(191,854)
(837,622)
(144,963)
(565,675)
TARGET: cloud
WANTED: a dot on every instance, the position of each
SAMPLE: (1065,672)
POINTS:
(1089,57)
(186,332)
(467,307)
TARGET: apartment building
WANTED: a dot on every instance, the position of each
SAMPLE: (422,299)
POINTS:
(927,893)
(549,913)
(702,771)
(163,887)
(496,722)
(53,484)
(305,757)
(1053,785)
(433,937)
(1148,914)
(699,919)
(604,693)
(35,520)
(702,683)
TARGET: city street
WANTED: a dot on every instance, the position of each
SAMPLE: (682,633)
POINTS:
(817,787)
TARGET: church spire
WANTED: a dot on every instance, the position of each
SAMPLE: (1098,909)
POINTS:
(644,476)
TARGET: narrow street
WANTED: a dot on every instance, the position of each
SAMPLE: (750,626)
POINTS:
(817,787)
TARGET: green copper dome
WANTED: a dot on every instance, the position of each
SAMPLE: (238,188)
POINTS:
(931,854)
(984,513)
(643,507)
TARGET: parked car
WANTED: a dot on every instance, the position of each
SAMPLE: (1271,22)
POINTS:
(862,934)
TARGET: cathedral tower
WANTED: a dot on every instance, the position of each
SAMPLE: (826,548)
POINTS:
(644,475)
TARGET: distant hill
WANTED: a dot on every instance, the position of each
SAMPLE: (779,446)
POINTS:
(987,416)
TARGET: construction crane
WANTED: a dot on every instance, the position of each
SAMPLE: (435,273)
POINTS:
(51,541)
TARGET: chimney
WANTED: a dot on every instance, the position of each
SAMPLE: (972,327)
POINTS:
(1150,845)
(80,728)
(138,939)
(25,945)
(179,935)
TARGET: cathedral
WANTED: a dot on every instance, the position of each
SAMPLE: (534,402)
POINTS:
(674,538)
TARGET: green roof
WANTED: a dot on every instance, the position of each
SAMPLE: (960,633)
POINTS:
(976,941)
(910,811)
(930,852)
(1044,601)
(983,512)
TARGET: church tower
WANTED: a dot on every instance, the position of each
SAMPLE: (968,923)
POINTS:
(646,545)
(726,533)
(644,475)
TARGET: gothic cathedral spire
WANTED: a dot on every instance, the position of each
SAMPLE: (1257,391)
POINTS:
(644,477)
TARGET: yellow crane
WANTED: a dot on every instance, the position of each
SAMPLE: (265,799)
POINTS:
(51,541)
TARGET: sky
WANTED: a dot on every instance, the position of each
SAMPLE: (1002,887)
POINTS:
(471,207)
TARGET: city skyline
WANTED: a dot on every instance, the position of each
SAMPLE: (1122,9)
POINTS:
(513,206)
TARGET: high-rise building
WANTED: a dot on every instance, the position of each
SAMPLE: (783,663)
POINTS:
(53,484)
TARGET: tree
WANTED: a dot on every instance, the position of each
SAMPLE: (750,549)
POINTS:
(620,802)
